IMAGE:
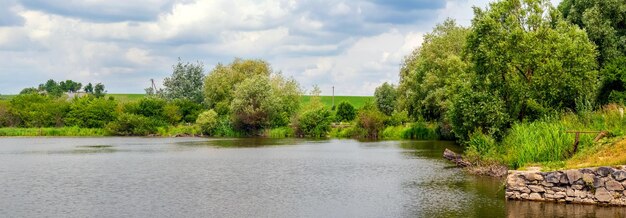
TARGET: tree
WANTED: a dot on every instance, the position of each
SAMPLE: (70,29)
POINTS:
(90,112)
(314,119)
(30,90)
(345,112)
(253,104)
(208,121)
(385,98)
(99,90)
(88,88)
(186,82)
(35,110)
(52,88)
(605,24)
(371,121)
(524,52)
(613,86)
(220,83)
(433,73)
(70,86)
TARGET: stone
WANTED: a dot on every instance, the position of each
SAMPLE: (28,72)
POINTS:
(547,184)
(533,176)
(613,185)
(577,200)
(549,196)
(534,196)
(549,191)
(558,189)
(588,178)
(619,175)
(588,201)
(524,196)
(553,177)
(577,187)
(515,181)
(563,179)
(598,182)
(603,195)
(580,194)
(587,170)
(604,171)
(569,199)
(524,190)
(539,189)
(570,192)
(560,195)
(573,175)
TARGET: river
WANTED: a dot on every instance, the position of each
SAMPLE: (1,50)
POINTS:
(197,177)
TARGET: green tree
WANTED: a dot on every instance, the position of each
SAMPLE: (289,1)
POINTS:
(385,98)
(29,91)
(605,24)
(313,122)
(371,121)
(189,110)
(208,121)
(477,111)
(70,86)
(52,88)
(220,83)
(524,52)
(88,88)
(345,112)
(253,104)
(613,87)
(434,72)
(35,110)
(99,90)
(186,82)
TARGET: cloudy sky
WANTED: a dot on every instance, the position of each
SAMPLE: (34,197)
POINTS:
(354,45)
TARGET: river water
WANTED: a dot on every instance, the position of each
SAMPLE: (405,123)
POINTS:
(196,177)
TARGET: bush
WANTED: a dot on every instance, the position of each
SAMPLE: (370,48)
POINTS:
(482,146)
(398,118)
(34,110)
(90,112)
(478,110)
(6,118)
(280,132)
(172,114)
(132,124)
(371,122)
(313,122)
(421,131)
(189,110)
(208,122)
(345,112)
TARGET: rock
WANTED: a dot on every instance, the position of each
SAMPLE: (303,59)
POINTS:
(533,176)
(573,175)
(569,199)
(534,197)
(547,184)
(524,196)
(619,175)
(553,177)
(570,192)
(588,201)
(580,194)
(604,171)
(514,182)
(588,178)
(577,187)
(563,179)
(549,191)
(613,185)
(549,196)
(539,189)
(587,170)
(598,182)
(577,200)
(524,190)
(558,189)
(603,195)
(560,195)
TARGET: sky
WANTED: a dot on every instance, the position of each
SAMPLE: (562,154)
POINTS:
(354,45)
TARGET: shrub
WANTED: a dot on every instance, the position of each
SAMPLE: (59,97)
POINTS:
(172,113)
(6,118)
(345,112)
(280,132)
(421,131)
(90,112)
(482,146)
(34,110)
(398,118)
(477,110)
(371,121)
(132,124)
(189,110)
(208,122)
(313,122)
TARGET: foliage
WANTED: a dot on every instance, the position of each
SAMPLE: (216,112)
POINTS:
(70,86)
(345,112)
(605,24)
(220,83)
(88,88)
(89,112)
(385,98)
(208,122)
(253,105)
(185,82)
(477,110)
(313,122)
(371,122)
(397,118)
(133,124)
(613,83)
(356,101)
(421,131)
(525,53)
(148,107)
(34,110)
(54,131)
(29,91)
(99,91)
(287,92)
(172,113)
(433,72)
(189,110)
(51,88)
(6,117)
(537,142)
(280,132)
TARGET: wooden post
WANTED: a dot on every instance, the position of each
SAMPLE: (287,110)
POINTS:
(333,96)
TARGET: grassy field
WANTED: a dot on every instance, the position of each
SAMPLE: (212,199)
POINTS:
(126,97)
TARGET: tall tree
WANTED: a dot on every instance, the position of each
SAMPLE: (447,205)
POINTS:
(385,98)
(186,82)
(604,21)
(524,52)
(99,90)
(88,88)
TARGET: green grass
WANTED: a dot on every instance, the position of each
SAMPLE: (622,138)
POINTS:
(123,98)
(356,101)
(6,97)
(63,131)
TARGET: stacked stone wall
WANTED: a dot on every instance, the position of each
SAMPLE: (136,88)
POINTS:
(602,185)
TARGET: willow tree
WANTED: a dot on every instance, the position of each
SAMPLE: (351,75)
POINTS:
(526,54)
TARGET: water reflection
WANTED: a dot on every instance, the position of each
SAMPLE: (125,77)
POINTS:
(242,142)
(518,209)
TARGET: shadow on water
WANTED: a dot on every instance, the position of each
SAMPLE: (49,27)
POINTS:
(243,142)
(429,149)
